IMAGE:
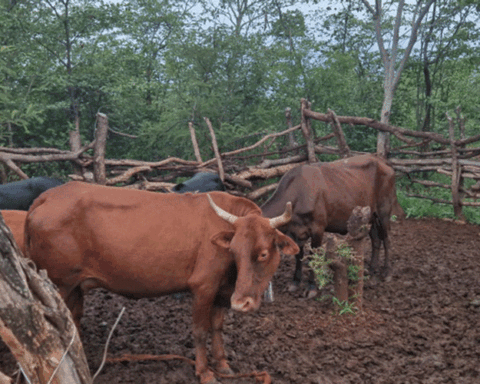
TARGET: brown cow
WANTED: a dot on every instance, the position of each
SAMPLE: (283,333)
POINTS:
(323,197)
(146,244)
(16,222)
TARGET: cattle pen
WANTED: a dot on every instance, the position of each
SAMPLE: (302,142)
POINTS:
(248,171)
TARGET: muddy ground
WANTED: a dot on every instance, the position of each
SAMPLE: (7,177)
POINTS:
(423,326)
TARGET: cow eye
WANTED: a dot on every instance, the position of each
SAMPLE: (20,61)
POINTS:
(262,256)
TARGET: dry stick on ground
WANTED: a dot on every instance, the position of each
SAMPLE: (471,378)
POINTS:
(260,377)
(35,322)
(221,173)
(99,149)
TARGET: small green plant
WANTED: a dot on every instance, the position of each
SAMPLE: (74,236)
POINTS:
(319,265)
(345,251)
(352,272)
(344,307)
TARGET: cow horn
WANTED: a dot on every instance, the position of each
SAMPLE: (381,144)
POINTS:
(220,212)
(278,221)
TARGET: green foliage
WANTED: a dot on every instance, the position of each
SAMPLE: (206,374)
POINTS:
(419,207)
(320,267)
(344,307)
(153,66)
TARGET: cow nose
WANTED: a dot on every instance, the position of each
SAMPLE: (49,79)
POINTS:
(247,304)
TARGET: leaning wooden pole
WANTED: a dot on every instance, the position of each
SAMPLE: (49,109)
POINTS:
(338,131)
(221,172)
(35,323)
(193,136)
(307,132)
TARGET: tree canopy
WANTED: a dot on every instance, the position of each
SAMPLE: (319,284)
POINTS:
(152,66)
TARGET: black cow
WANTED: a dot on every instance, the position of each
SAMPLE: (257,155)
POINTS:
(19,195)
(201,182)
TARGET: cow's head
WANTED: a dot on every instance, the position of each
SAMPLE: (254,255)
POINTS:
(255,244)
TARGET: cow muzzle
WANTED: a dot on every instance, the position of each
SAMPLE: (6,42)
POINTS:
(245,304)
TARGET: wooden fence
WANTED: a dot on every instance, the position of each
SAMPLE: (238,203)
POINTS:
(276,153)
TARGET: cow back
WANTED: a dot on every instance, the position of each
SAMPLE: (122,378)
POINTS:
(111,236)
(325,194)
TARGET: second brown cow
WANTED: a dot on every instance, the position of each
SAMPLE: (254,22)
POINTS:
(323,197)
(146,244)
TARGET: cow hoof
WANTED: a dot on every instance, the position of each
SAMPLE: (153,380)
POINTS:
(293,287)
(225,371)
(312,293)
(208,378)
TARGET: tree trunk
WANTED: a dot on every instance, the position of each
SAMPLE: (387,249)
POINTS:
(35,322)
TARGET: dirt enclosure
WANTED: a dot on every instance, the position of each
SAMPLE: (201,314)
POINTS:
(423,326)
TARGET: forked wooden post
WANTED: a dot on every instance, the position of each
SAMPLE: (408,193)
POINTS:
(456,171)
(358,228)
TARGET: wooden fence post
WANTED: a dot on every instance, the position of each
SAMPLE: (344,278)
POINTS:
(456,171)
(358,226)
(99,149)
(339,268)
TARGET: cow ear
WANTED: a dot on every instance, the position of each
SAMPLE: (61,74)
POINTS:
(223,239)
(286,244)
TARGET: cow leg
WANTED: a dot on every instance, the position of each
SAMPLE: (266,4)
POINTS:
(297,274)
(202,323)
(74,300)
(218,350)
(379,234)
(386,246)
(376,245)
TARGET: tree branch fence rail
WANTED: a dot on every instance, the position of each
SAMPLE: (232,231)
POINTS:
(245,170)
